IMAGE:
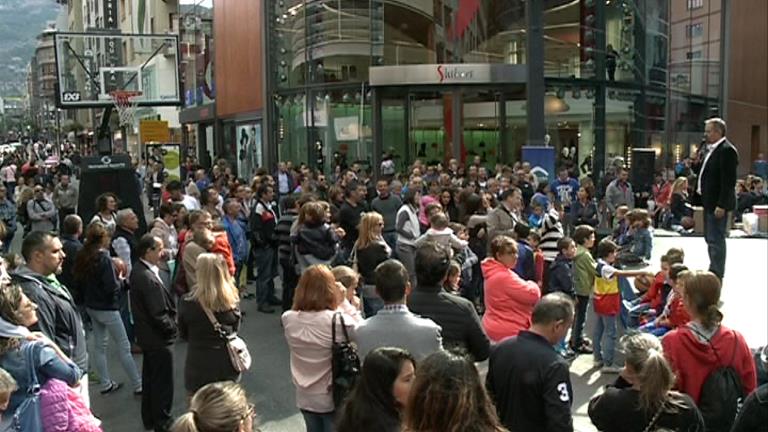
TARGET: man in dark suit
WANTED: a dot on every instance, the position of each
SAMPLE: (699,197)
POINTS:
(154,314)
(716,187)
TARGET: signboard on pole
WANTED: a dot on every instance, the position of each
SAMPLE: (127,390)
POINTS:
(154,131)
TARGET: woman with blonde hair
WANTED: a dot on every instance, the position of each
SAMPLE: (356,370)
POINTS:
(642,398)
(704,344)
(207,354)
(308,331)
(681,212)
(369,251)
(219,406)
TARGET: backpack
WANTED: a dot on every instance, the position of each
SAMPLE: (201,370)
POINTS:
(721,393)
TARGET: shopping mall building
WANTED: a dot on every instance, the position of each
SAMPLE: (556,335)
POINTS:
(434,79)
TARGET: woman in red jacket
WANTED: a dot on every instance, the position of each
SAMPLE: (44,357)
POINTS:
(509,299)
(704,344)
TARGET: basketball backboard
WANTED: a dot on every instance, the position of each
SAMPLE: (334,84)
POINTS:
(90,66)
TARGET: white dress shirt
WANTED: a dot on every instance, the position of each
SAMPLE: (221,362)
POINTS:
(711,148)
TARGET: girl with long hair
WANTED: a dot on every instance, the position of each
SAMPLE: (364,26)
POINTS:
(370,250)
(449,205)
(643,395)
(307,328)
(448,396)
(697,348)
(102,283)
(381,393)
(207,354)
(106,207)
(680,210)
(219,406)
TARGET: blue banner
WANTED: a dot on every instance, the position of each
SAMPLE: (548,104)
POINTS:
(542,160)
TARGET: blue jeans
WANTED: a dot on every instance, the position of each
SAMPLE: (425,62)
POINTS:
(109,322)
(318,422)
(714,234)
(606,324)
(266,270)
(653,329)
(627,293)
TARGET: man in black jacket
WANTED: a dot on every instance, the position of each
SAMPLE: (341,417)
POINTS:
(527,379)
(716,187)
(154,313)
(456,315)
(263,221)
(59,319)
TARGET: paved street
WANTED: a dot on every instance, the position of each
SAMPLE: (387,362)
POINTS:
(745,298)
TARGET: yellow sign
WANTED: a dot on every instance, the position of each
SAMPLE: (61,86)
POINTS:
(154,131)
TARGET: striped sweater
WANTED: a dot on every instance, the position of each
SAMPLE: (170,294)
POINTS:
(551,232)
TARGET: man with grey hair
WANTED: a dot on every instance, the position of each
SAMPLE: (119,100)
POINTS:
(124,247)
(527,378)
(716,188)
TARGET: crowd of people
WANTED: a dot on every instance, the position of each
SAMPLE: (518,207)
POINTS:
(415,275)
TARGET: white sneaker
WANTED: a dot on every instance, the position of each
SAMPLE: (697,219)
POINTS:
(610,369)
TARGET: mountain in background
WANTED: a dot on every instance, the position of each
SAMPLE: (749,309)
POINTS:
(20,23)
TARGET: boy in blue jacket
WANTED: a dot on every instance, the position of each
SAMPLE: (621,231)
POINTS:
(561,280)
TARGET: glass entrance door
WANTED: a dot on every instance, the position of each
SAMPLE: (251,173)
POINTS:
(430,126)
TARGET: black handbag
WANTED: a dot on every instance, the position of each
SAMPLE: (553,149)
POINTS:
(345,363)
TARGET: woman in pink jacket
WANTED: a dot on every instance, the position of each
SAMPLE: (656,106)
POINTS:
(307,328)
(509,299)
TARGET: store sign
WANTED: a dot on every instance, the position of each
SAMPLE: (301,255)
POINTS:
(456,73)
(110,14)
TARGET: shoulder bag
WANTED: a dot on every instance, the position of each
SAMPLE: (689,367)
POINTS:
(238,352)
(345,363)
(26,417)
(656,416)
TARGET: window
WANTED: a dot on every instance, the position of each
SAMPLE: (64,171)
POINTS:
(694,30)
(693,55)
(695,4)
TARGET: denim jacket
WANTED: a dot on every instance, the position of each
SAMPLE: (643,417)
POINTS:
(47,365)
(642,243)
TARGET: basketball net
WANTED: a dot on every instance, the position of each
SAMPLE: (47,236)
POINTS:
(126,105)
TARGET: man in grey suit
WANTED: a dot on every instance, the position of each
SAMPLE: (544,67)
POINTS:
(394,325)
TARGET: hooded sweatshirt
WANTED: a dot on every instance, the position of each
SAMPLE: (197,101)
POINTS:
(509,301)
(693,359)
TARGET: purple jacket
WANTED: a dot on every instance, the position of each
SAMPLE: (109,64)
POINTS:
(63,410)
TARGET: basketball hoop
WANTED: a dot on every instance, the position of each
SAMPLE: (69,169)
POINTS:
(126,105)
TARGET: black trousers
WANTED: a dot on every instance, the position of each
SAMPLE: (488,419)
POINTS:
(157,385)
(290,280)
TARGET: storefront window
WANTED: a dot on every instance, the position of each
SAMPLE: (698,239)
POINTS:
(338,37)
(289,43)
(570,125)
(249,156)
(620,48)
(569,38)
(623,128)
(197,74)
(404,32)
(342,121)
(291,128)
(393,125)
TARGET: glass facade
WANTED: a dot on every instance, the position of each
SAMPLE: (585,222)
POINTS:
(618,74)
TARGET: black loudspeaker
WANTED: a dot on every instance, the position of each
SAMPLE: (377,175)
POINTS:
(111,173)
(643,168)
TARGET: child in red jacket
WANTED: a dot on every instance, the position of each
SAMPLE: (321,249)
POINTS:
(650,304)
(674,314)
